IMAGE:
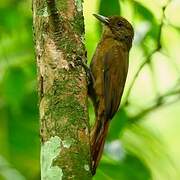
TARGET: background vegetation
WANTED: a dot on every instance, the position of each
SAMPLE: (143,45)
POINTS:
(143,142)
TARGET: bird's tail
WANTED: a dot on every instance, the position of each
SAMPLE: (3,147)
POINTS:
(98,137)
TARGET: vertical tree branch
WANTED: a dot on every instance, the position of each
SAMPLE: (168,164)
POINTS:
(59,30)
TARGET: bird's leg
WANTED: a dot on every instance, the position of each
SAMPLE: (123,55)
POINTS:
(88,74)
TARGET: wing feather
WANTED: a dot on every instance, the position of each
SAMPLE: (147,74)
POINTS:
(115,72)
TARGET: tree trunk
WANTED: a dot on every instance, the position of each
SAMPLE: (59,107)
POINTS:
(64,131)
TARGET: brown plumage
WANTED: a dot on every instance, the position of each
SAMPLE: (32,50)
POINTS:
(109,68)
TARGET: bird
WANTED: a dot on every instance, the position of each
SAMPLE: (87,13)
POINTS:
(108,69)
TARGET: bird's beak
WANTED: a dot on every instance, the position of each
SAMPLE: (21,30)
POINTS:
(101,18)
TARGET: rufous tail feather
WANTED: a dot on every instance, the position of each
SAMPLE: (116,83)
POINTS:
(98,137)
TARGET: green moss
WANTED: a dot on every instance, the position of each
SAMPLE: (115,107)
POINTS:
(77,157)
(68,45)
(78,23)
(61,5)
(64,104)
(67,84)
(69,108)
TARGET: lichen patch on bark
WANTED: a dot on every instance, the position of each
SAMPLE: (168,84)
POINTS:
(49,151)
(45,12)
(79,5)
(68,142)
(86,167)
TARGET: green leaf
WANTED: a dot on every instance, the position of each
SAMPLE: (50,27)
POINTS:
(146,15)
(143,12)
(117,124)
(13,85)
(131,168)
(109,8)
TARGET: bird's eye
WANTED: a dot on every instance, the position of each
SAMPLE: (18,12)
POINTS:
(120,24)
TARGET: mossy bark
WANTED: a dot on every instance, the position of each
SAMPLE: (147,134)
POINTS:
(59,33)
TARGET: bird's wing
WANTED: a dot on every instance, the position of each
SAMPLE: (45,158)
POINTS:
(115,72)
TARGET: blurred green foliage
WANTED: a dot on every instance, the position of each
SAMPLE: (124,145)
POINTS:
(19,139)
(130,168)
(133,150)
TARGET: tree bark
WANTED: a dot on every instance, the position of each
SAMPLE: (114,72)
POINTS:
(64,128)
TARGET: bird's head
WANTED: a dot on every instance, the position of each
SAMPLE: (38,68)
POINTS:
(117,27)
